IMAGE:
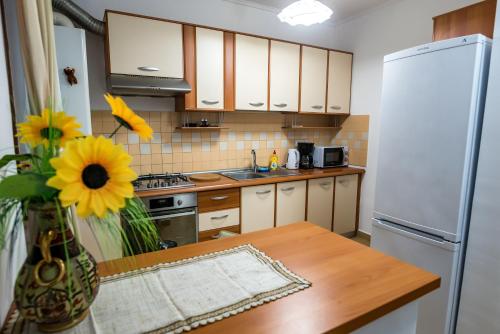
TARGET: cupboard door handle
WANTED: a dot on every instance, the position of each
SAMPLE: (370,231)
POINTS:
(288,189)
(220,217)
(281,105)
(219,198)
(336,107)
(210,103)
(148,68)
(256,104)
(324,184)
(342,181)
(317,107)
(263,192)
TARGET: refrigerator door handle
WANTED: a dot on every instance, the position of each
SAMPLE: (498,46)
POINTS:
(417,235)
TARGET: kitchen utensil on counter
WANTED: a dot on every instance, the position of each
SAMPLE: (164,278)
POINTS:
(204,177)
(306,150)
(293,159)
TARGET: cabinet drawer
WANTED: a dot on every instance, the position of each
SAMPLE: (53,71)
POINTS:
(213,234)
(209,201)
(218,219)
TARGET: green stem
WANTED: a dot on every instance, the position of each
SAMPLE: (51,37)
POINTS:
(114,132)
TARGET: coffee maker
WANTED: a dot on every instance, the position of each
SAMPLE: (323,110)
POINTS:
(306,151)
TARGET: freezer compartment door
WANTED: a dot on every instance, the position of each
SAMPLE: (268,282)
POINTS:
(432,254)
(428,138)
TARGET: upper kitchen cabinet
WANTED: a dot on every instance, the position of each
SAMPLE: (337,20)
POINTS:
(284,62)
(209,69)
(143,46)
(339,82)
(313,80)
(251,71)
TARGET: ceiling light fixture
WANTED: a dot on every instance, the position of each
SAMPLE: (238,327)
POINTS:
(305,12)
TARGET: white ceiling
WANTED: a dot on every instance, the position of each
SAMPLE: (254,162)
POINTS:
(342,9)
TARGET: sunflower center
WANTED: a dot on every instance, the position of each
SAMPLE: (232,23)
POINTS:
(123,122)
(95,176)
(46,132)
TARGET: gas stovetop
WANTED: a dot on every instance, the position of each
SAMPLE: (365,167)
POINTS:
(162,181)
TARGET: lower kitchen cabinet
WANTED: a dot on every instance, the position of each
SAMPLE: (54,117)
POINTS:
(345,210)
(257,208)
(320,202)
(290,202)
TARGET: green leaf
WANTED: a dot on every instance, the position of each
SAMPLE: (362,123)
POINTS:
(19,157)
(25,186)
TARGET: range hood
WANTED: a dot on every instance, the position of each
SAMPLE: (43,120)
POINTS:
(136,85)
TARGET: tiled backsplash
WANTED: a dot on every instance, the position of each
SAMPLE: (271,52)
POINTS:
(174,150)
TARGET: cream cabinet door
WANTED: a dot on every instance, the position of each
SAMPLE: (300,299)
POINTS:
(339,82)
(290,202)
(313,84)
(251,71)
(140,46)
(320,202)
(257,208)
(346,201)
(284,76)
(209,69)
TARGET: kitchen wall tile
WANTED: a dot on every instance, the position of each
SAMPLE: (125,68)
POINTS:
(196,137)
(240,145)
(145,149)
(176,137)
(166,148)
(205,147)
(156,138)
(186,147)
(231,136)
(255,145)
(133,138)
(223,145)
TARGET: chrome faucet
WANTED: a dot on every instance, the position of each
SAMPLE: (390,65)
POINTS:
(254,161)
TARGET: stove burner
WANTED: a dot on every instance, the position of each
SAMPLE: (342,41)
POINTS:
(161,181)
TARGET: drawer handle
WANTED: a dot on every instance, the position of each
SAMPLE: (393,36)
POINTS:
(324,184)
(219,198)
(263,192)
(256,104)
(220,217)
(288,189)
(336,107)
(281,105)
(317,107)
(148,68)
(210,103)
(342,181)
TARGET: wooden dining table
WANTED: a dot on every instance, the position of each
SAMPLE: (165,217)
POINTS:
(353,286)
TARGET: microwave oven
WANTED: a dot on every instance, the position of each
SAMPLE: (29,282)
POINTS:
(330,156)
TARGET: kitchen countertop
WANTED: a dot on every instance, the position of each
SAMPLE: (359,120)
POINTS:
(225,182)
(352,285)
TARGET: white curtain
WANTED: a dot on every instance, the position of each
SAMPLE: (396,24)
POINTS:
(36,30)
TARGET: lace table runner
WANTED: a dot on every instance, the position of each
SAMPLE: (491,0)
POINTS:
(182,295)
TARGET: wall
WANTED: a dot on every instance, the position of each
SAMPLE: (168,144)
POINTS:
(12,256)
(393,27)
(172,150)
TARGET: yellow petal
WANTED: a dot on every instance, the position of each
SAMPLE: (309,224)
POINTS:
(56,182)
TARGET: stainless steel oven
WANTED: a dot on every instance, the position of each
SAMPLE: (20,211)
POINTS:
(175,217)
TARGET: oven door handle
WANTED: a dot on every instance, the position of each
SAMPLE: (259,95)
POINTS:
(175,215)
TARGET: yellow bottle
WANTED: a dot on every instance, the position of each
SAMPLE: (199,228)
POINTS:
(273,163)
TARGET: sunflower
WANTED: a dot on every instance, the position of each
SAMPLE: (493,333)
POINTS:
(94,173)
(38,129)
(127,118)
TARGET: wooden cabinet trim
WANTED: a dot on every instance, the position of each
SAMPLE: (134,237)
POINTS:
(225,30)
(229,82)
(216,200)
(189,39)
(300,80)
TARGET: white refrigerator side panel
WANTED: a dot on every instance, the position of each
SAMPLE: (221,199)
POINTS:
(480,298)
(440,258)
(429,123)
(71,51)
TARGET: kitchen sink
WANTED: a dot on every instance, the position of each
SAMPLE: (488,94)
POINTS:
(250,175)
(243,175)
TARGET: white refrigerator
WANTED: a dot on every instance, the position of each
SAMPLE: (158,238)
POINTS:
(479,310)
(432,109)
